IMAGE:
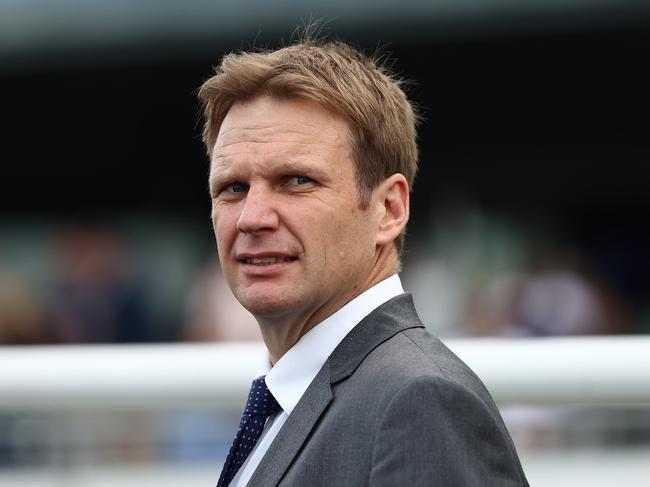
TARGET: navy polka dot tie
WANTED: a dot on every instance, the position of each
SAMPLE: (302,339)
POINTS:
(260,405)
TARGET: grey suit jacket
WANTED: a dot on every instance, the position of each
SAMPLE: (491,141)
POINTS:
(392,406)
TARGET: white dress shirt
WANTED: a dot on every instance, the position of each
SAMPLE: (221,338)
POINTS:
(291,375)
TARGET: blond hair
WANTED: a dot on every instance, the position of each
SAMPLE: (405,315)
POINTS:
(342,80)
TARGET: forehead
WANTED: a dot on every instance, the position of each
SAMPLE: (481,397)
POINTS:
(266,119)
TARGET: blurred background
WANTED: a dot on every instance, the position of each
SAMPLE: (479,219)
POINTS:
(529,218)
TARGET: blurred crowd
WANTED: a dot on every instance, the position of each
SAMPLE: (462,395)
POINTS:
(478,274)
(88,294)
(92,286)
(471,275)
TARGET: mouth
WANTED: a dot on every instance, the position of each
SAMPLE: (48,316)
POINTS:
(266,260)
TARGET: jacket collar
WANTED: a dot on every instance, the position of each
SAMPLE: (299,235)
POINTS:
(386,321)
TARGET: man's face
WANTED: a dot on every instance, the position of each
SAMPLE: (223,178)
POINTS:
(292,238)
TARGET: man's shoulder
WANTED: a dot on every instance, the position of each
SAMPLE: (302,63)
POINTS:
(391,348)
(414,357)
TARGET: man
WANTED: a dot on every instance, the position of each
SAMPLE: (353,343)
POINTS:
(313,153)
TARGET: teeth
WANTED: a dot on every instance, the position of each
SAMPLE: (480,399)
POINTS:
(266,260)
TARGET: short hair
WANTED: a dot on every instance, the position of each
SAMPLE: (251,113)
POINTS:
(341,79)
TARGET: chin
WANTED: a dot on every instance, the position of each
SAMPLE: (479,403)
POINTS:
(266,305)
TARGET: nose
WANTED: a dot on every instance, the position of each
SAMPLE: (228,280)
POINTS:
(258,213)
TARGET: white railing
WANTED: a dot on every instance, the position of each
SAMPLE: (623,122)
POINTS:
(590,370)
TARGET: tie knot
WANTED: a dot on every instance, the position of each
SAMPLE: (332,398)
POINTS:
(260,400)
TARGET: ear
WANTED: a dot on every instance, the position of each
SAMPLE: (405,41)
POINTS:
(393,207)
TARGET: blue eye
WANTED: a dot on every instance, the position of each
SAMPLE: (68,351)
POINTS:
(300,180)
(236,188)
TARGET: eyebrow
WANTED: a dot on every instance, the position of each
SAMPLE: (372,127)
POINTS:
(298,167)
(284,167)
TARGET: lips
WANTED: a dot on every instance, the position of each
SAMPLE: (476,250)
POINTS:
(267,260)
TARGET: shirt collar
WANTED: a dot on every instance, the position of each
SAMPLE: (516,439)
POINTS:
(291,375)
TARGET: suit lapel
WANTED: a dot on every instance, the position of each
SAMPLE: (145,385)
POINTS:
(387,320)
(392,317)
(294,432)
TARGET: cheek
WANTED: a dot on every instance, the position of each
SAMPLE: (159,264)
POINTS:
(224,225)
(350,240)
